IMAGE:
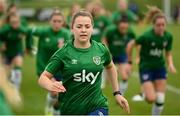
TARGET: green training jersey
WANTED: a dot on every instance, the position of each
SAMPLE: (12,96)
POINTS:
(4,108)
(81,70)
(117,15)
(48,44)
(117,42)
(152,46)
(13,39)
(100,23)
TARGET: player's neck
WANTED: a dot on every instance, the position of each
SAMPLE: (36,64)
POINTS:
(84,45)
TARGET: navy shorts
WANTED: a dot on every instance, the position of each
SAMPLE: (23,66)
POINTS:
(152,74)
(99,112)
(8,59)
(120,59)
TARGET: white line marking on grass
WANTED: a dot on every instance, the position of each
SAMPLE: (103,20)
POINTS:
(173,89)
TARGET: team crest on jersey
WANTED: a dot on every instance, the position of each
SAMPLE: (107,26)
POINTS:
(73,61)
(153,44)
(97,60)
(47,39)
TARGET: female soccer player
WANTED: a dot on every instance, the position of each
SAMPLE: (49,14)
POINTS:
(51,38)
(117,38)
(101,21)
(12,36)
(81,62)
(152,65)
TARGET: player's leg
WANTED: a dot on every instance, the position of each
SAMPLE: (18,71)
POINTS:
(16,73)
(52,102)
(124,77)
(160,86)
(147,85)
(149,91)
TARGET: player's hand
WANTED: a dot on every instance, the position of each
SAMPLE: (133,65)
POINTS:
(123,103)
(172,69)
(56,87)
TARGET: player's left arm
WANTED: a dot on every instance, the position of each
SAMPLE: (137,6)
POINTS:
(170,63)
(169,57)
(112,74)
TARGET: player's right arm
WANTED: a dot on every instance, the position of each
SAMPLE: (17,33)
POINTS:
(129,49)
(134,43)
(53,86)
(55,64)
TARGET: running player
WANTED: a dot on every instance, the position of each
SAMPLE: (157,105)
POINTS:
(101,21)
(13,35)
(81,62)
(117,38)
(152,11)
(51,38)
(152,64)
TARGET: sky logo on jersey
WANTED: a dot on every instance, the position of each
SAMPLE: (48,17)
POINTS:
(83,77)
(156,52)
(97,60)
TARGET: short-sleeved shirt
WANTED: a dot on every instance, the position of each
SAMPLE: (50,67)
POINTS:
(81,71)
(117,15)
(13,39)
(100,23)
(48,44)
(152,48)
(117,42)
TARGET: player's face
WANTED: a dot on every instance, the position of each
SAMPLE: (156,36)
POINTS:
(82,28)
(123,27)
(56,22)
(15,22)
(13,10)
(159,26)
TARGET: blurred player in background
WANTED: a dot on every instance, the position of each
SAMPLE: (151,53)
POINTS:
(123,10)
(51,38)
(149,15)
(13,34)
(152,67)
(101,20)
(74,8)
(117,37)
